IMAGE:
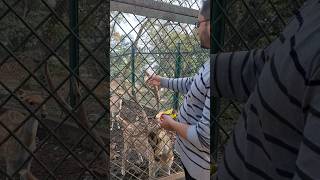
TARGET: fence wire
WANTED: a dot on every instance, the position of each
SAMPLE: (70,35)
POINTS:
(53,87)
(142,43)
(54,78)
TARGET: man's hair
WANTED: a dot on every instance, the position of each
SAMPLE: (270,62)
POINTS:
(205,9)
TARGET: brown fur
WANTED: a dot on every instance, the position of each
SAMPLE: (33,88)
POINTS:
(11,150)
(155,145)
(162,145)
(146,138)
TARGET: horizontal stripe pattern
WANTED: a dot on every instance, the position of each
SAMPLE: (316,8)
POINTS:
(195,111)
(277,134)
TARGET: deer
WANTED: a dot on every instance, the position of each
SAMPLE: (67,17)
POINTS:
(80,115)
(144,137)
(14,154)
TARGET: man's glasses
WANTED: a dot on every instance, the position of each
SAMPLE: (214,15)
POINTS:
(197,24)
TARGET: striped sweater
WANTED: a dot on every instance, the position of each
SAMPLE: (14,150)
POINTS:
(195,111)
(278,133)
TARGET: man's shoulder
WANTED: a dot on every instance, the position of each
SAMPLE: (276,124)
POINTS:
(205,68)
(204,74)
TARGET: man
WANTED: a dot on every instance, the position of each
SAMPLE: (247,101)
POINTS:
(192,125)
(277,136)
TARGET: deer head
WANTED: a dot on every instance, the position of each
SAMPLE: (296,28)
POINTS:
(33,101)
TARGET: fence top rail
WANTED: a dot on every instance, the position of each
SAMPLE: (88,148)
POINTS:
(156,9)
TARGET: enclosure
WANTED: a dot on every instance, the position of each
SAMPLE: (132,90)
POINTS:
(164,40)
(75,62)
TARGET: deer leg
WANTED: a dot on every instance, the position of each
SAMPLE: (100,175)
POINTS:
(152,164)
(166,169)
(140,158)
(112,121)
(112,124)
(118,124)
(124,158)
(152,169)
(29,138)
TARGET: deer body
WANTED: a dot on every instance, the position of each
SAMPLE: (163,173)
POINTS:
(14,154)
(145,139)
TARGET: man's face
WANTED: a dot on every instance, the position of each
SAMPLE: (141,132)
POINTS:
(204,32)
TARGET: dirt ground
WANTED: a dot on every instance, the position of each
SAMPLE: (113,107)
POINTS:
(52,153)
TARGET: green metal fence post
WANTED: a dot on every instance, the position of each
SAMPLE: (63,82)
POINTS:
(73,48)
(177,75)
(133,78)
(216,40)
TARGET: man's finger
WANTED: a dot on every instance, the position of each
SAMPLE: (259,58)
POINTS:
(165,116)
(148,79)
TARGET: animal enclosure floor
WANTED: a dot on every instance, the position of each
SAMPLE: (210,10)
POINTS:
(52,153)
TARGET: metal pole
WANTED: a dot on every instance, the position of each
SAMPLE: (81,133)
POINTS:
(73,48)
(177,75)
(216,40)
(133,79)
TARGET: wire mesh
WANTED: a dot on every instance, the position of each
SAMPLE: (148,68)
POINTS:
(71,142)
(42,132)
(169,48)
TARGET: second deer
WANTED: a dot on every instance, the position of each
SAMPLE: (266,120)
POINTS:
(14,154)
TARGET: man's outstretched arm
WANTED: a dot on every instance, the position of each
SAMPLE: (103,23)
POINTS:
(236,73)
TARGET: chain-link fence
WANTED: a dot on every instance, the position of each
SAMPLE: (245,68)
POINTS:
(53,88)
(54,79)
(243,25)
(156,37)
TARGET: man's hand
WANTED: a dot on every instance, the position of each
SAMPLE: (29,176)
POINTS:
(153,80)
(166,122)
(170,124)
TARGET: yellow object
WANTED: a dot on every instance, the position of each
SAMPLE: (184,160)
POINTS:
(213,168)
(169,112)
